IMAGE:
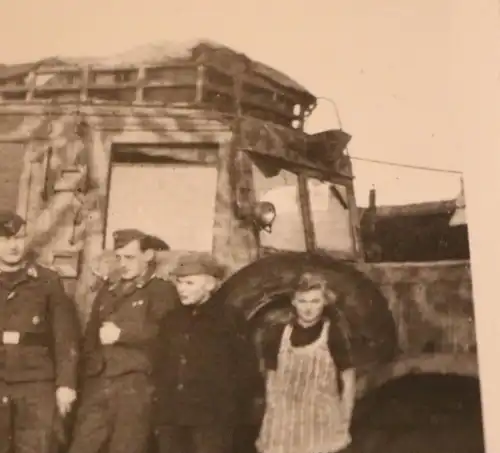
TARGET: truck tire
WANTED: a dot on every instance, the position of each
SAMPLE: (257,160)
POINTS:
(420,414)
(262,290)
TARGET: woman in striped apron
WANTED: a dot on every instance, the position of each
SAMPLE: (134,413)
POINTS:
(310,378)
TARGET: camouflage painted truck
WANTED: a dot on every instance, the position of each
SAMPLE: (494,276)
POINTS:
(204,147)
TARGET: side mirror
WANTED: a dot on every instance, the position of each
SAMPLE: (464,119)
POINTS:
(260,214)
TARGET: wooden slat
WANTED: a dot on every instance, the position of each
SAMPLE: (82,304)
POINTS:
(58,70)
(249,100)
(259,99)
(57,89)
(200,84)
(14,89)
(112,86)
(140,83)
(85,84)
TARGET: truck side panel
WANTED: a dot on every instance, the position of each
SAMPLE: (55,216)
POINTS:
(64,197)
(432,304)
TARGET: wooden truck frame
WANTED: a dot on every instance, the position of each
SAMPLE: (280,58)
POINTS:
(64,123)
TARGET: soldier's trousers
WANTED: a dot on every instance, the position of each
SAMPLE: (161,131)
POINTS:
(28,415)
(114,415)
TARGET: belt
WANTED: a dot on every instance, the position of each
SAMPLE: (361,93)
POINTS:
(10,337)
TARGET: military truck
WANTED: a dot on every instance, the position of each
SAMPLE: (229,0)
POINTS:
(205,147)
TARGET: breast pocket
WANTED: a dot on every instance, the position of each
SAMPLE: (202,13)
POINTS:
(132,312)
(35,358)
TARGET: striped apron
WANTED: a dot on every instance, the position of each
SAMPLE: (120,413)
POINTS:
(303,411)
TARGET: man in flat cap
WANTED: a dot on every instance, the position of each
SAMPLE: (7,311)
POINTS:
(206,370)
(115,408)
(39,343)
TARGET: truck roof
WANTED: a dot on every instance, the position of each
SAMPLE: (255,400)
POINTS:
(165,52)
(197,85)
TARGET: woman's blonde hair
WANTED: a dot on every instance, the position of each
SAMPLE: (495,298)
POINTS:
(310,281)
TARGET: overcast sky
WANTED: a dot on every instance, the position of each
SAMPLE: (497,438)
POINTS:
(387,64)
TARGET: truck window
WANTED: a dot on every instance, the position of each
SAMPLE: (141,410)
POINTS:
(330,216)
(282,191)
(175,201)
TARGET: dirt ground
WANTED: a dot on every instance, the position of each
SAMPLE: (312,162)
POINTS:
(415,414)
(420,414)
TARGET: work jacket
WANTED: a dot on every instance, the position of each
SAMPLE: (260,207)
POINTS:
(206,368)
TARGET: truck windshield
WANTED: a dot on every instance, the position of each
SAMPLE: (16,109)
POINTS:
(281,190)
(329,208)
(330,216)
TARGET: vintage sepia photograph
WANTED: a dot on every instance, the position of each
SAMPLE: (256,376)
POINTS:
(234,228)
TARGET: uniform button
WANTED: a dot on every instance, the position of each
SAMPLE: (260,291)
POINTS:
(180,387)
(183,360)
(186,336)
(5,399)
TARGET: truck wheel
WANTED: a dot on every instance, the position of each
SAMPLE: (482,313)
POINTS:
(420,414)
(262,290)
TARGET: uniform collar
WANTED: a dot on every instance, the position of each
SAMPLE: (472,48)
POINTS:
(23,275)
(29,270)
(139,282)
(145,278)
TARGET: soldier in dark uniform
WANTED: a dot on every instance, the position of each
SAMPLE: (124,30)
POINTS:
(116,400)
(39,333)
(206,369)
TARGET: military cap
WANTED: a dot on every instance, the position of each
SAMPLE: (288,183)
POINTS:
(10,223)
(199,264)
(124,237)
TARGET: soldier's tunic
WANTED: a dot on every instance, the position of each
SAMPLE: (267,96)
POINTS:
(35,307)
(116,401)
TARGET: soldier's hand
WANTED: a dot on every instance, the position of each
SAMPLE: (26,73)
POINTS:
(65,397)
(109,333)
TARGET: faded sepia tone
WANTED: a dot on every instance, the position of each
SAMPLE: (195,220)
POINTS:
(212,107)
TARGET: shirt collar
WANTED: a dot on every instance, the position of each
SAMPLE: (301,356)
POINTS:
(205,307)
(317,325)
